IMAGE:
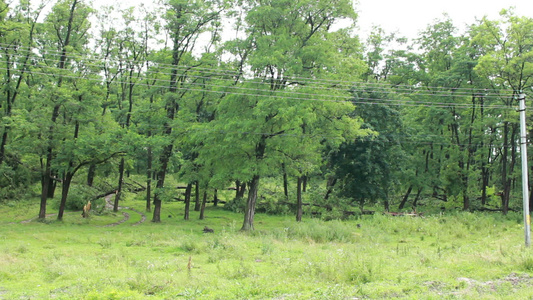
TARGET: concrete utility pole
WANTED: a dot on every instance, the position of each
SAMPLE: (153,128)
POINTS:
(523,152)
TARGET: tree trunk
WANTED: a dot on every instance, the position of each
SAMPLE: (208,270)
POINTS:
(530,201)
(215,198)
(484,183)
(149,179)
(64,194)
(249,213)
(466,199)
(4,142)
(504,167)
(44,192)
(405,197)
(241,189)
(46,180)
(202,208)
(161,174)
(332,180)
(386,204)
(285,182)
(156,217)
(90,174)
(52,184)
(187,201)
(120,183)
(299,209)
(197,203)
(417,197)
(237,188)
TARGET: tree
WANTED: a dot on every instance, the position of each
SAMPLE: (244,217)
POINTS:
(507,47)
(185,22)
(366,167)
(65,29)
(288,47)
(132,51)
(17,39)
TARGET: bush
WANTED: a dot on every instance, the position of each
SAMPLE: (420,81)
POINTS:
(16,182)
(237,205)
(78,196)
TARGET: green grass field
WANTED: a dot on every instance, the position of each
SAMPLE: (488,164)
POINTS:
(450,256)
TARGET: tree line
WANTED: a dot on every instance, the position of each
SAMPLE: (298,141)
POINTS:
(216,94)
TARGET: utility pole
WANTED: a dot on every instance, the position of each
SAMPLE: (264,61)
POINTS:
(523,152)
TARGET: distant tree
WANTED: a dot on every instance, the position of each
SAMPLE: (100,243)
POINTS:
(256,123)
(366,168)
(65,32)
(184,28)
(506,46)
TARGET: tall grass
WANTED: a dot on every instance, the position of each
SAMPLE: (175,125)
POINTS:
(460,255)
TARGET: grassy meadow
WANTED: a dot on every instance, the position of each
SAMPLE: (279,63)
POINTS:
(450,256)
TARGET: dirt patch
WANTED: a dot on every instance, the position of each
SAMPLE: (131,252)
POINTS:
(109,205)
(143,217)
(126,217)
(493,285)
(517,279)
(35,218)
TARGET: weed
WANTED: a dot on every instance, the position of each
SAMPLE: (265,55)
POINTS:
(191,293)
(105,243)
(114,294)
(191,246)
(386,257)
(134,243)
(527,264)
(22,249)
(267,248)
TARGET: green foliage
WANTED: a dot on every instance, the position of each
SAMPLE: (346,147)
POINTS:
(292,95)
(236,205)
(79,196)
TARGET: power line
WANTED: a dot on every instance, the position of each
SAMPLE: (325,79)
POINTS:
(286,95)
(451,92)
(290,93)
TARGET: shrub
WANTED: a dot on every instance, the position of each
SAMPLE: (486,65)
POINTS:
(78,196)
(237,205)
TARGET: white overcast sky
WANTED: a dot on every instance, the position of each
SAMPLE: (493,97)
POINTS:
(408,17)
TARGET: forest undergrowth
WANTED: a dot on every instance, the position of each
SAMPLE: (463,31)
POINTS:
(456,255)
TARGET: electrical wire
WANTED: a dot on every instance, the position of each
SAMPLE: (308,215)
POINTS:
(287,95)
(348,84)
(291,93)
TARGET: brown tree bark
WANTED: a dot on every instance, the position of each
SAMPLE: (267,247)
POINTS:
(67,180)
(299,209)
(202,208)
(149,179)
(215,198)
(120,183)
(249,213)
(188,190)
(285,182)
(405,197)
(197,203)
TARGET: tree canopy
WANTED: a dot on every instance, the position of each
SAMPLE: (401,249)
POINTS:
(215,93)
